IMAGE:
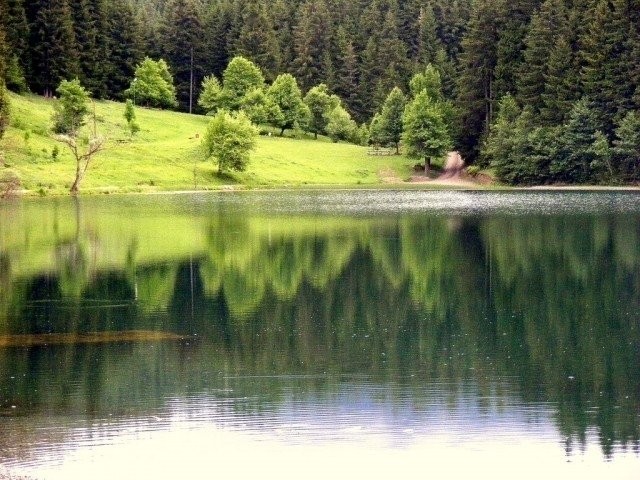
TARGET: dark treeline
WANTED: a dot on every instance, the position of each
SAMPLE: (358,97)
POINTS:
(556,61)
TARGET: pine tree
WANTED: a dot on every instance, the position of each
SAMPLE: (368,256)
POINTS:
(218,25)
(183,48)
(515,16)
(257,40)
(54,52)
(476,89)
(283,23)
(346,77)
(312,41)
(627,146)
(124,45)
(428,41)
(559,91)
(547,25)
(14,20)
(606,76)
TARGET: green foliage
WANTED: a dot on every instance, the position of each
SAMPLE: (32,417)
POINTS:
(375,132)
(152,85)
(286,95)
(260,108)
(211,94)
(340,125)
(428,81)
(627,146)
(390,126)
(320,103)
(4,110)
(425,132)
(239,78)
(230,138)
(130,117)
(71,107)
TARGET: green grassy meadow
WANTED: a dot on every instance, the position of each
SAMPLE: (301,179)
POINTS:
(166,156)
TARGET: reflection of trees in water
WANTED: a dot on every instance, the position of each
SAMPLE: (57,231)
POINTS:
(551,302)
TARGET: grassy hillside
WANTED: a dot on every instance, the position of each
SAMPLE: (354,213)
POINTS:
(166,155)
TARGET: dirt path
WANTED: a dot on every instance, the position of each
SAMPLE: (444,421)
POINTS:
(453,174)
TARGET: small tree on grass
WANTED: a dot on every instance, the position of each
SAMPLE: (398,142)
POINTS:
(285,93)
(68,117)
(211,98)
(340,125)
(153,85)
(425,132)
(71,109)
(230,138)
(130,117)
(390,126)
(320,103)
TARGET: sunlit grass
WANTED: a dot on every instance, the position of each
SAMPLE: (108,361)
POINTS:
(166,155)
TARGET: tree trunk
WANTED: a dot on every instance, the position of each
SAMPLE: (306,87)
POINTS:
(397,148)
(282,132)
(427,165)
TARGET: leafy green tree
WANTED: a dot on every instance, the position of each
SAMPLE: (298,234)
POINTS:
(4,109)
(627,146)
(340,125)
(320,103)
(391,124)
(130,117)
(68,117)
(426,134)
(375,131)
(230,138)
(260,108)
(211,94)
(152,85)
(430,81)
(285,93)
(240,77)
(71,108)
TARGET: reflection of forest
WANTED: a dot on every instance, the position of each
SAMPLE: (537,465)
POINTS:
(550,301)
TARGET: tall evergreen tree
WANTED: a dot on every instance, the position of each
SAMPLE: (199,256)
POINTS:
(560,84)
(183,49)
(312,43)
(257,40)
(218,25)
(124,46)
(346,78)
(428,41)
(606,75)
(14,21)
(515,16)
(54,52)
(476,89)
(547,25)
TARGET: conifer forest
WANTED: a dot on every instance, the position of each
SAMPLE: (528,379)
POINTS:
(540,91)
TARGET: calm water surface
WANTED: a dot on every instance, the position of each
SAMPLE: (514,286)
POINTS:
(321,334)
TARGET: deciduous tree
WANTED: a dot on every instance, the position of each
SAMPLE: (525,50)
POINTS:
(229,139)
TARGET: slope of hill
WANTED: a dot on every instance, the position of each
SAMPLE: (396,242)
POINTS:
(166,155)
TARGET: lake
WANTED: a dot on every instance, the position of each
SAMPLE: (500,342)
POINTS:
(315,334)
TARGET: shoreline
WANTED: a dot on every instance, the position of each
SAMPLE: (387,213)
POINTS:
(432,185)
